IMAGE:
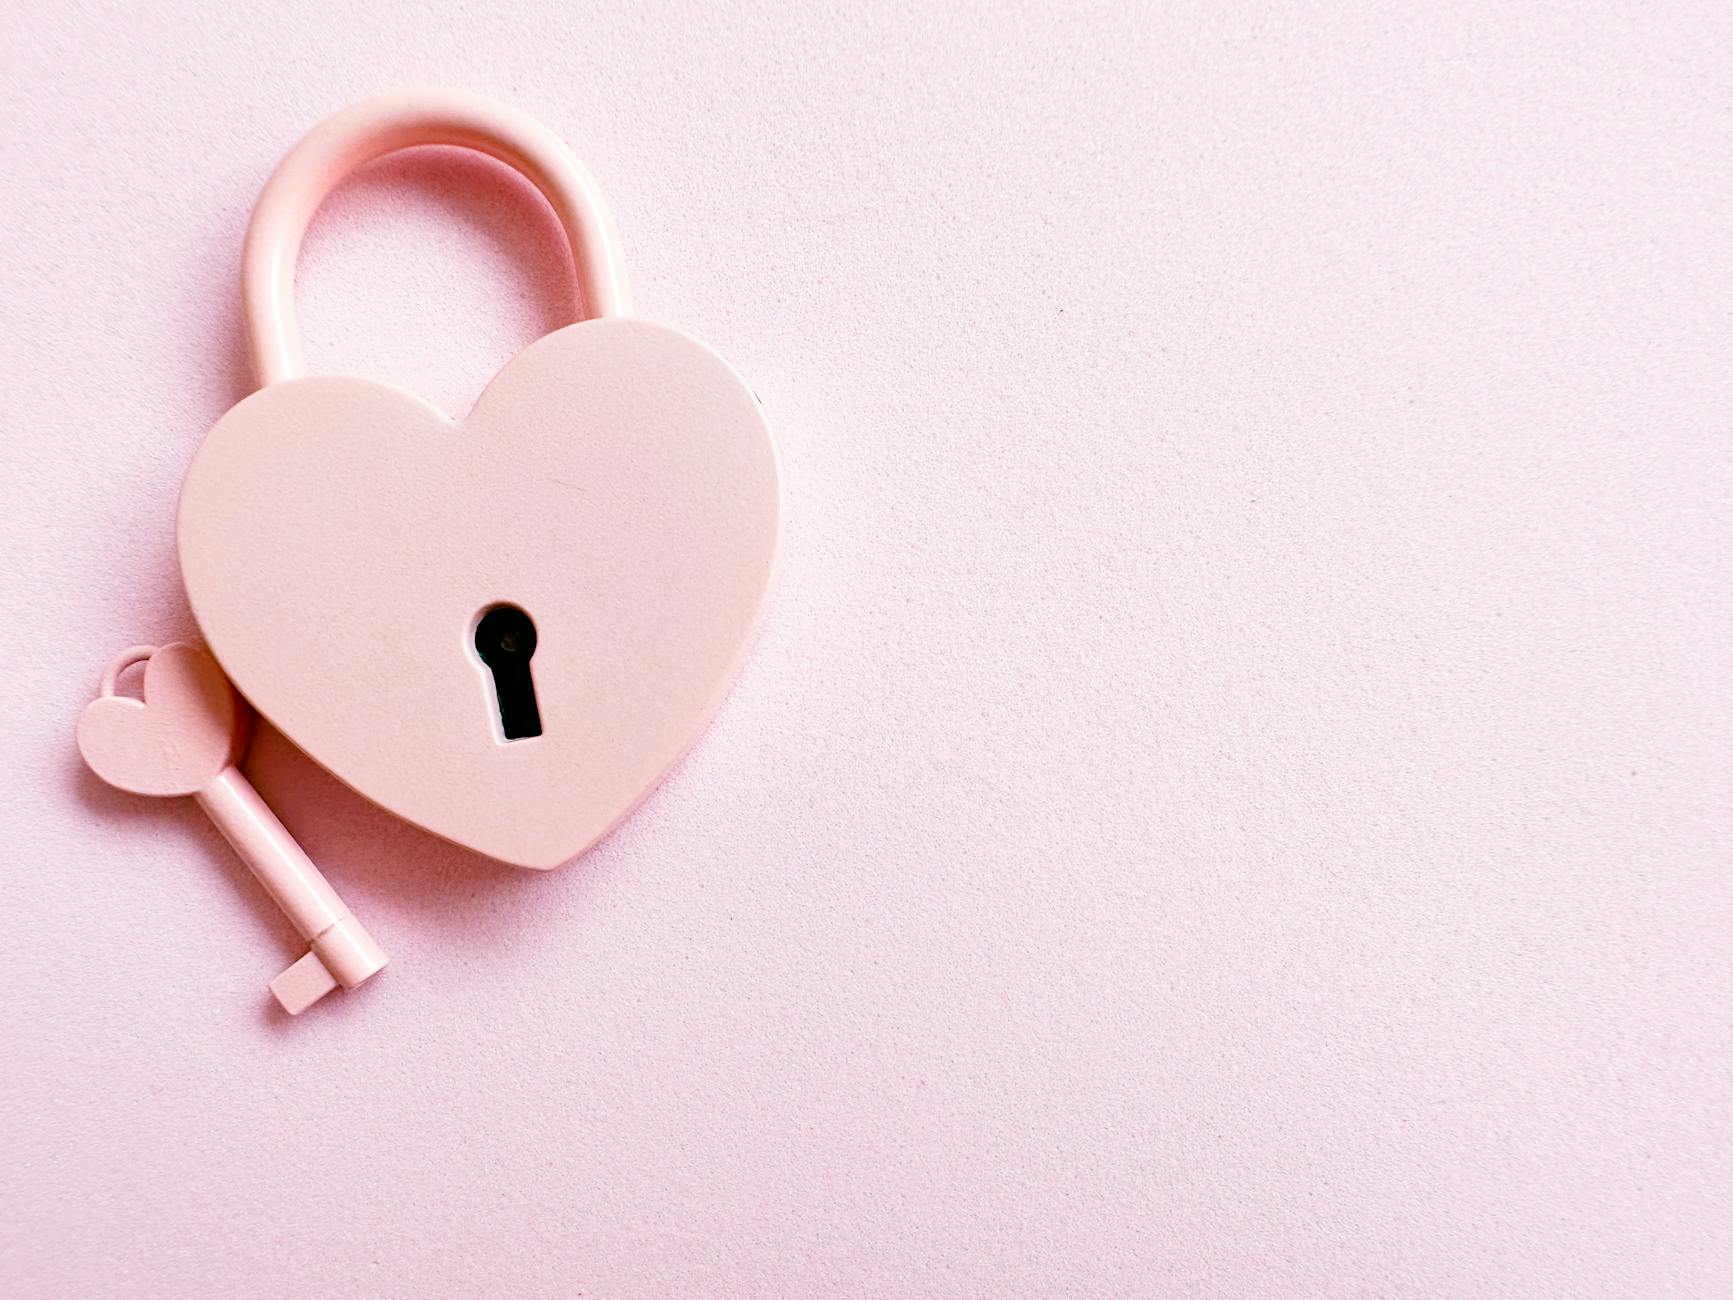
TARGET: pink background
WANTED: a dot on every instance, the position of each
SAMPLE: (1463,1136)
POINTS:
(1233,797)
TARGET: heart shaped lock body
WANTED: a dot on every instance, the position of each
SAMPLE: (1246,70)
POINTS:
(340,539)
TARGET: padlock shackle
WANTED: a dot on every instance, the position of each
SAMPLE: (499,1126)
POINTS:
(374,127)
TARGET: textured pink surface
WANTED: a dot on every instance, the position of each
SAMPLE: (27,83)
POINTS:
(1232,798)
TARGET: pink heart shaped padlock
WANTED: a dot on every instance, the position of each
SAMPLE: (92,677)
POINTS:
(505,629)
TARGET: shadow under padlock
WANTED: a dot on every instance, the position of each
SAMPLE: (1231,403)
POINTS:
(339,536)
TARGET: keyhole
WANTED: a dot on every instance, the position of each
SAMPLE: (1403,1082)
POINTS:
(505,638)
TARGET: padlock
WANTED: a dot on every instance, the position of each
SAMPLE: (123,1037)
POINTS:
(504,629)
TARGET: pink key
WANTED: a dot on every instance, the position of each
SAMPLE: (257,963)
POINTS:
(185,737)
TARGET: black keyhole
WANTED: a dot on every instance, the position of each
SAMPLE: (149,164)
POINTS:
(505,639)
